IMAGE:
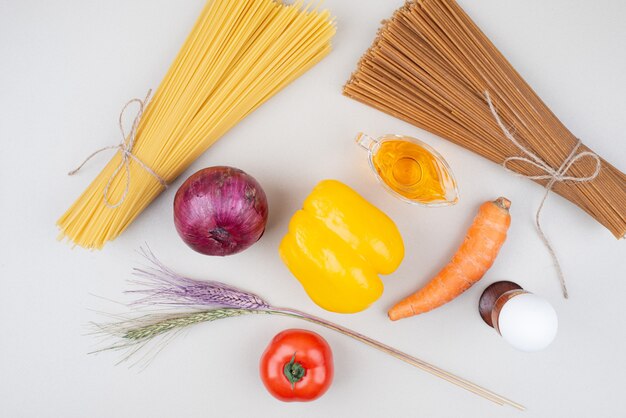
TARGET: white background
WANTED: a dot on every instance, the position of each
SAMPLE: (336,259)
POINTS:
(67,67)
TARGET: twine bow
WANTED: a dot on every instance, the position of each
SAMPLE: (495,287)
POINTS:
(125,148)
(553,175)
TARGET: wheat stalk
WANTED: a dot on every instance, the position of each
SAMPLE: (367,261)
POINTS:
(162,286)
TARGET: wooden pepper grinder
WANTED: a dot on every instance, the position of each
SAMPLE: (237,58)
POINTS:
(524,320)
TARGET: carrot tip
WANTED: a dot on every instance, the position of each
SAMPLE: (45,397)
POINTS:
(400,311)
(503,203)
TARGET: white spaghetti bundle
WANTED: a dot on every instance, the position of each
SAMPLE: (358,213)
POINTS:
(238,55)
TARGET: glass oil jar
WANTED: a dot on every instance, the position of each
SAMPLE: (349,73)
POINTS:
(411,170)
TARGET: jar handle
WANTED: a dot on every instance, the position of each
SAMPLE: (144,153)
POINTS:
(365,141)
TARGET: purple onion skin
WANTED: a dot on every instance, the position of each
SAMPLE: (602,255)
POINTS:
(220,211)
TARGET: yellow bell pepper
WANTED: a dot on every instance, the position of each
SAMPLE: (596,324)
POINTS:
(337,245)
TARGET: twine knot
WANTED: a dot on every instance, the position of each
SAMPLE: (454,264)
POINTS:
(125,148)
(551,174)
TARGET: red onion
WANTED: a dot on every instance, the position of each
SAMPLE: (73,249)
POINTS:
(220,211)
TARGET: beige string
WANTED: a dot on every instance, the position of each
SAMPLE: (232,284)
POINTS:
(554,176)
(125,148)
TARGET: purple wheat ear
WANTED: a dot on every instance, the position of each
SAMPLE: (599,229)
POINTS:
(212,300)
(162,286)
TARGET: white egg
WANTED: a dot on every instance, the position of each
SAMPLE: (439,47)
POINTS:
(528,322)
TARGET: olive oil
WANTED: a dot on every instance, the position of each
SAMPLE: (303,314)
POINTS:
(411,170)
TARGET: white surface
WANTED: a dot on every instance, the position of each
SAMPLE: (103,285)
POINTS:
(66,69)
(528,322)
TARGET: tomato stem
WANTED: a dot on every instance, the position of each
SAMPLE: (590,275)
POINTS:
(294,371)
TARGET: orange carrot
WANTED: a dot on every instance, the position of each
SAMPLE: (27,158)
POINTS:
(469,264)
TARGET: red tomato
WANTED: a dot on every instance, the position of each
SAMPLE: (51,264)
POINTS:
(297,366)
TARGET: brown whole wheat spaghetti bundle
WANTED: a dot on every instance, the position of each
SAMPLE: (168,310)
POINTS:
(238,55)
(432,67)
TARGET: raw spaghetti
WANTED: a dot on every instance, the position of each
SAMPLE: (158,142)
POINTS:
(238,55)
(432,67)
